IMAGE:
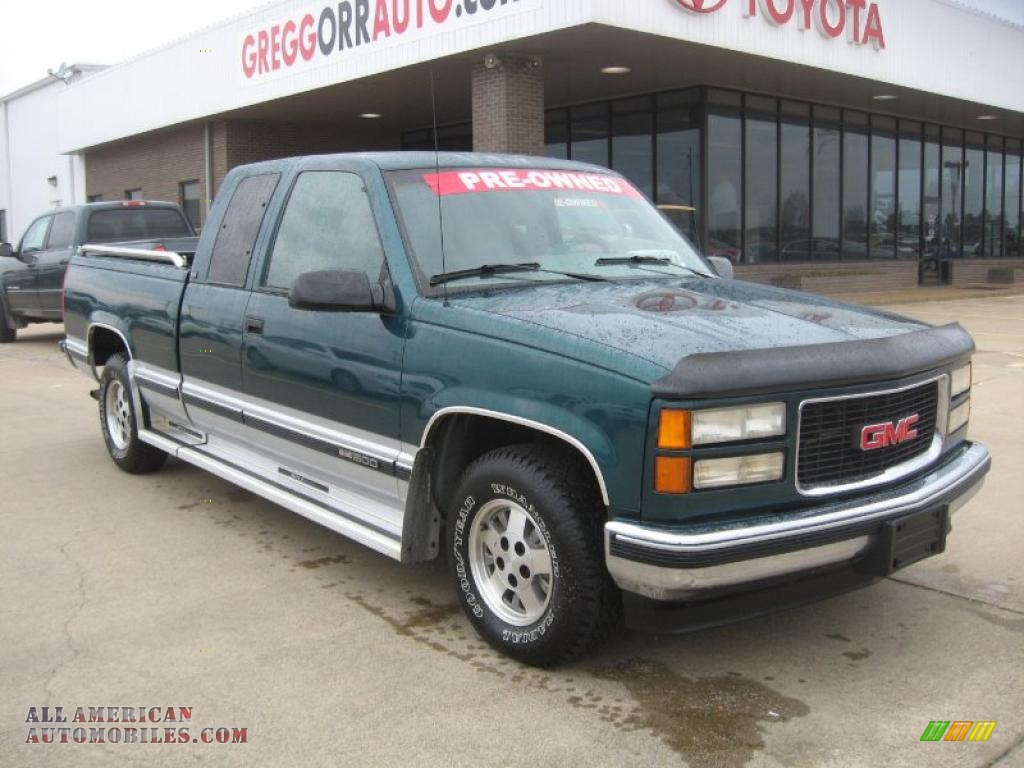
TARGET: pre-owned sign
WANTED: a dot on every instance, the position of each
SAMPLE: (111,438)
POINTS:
(859,21)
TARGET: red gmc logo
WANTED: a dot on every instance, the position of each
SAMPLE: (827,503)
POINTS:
(875,436)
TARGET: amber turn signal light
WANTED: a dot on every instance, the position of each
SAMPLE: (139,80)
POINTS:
(674,429)
(671,474)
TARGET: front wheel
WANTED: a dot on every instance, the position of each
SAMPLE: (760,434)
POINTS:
(119,422)
(524,543)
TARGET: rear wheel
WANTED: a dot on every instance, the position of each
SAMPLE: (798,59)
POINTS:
(119,422)
(524,543)
(7,333)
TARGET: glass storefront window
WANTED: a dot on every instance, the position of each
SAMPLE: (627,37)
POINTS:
(1014,247)
(785,180)
(855,188)
(993,236)
(932,202)
(974,195)
(952,191)
(678,169)
(633,142)
(725,187)
(908,192)
(589,134)
(825,209)
(556,133)
(882,220)
(795,184)
(761,208)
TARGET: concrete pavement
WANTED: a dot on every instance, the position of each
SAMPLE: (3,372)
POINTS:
(178,589)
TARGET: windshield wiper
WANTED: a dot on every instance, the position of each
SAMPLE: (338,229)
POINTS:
(487,270)
(633,259)
(484,270)
(637,259)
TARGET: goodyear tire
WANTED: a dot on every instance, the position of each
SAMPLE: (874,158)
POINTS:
(526,554)
(119,422)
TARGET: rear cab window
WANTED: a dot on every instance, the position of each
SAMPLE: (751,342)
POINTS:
(136,223)
(62,231)
(236,239)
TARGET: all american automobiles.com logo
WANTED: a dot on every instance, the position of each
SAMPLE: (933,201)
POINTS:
(124,725)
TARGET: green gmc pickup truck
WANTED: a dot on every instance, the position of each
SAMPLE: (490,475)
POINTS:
(519,365)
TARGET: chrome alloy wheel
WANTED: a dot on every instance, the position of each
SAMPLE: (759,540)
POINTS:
(118,414)
(510,562)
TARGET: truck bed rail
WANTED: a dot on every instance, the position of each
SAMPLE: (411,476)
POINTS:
(140,254)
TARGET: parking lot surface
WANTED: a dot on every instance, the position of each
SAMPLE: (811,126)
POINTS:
(180,590)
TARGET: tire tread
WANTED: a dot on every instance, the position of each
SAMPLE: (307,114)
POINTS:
(567,477)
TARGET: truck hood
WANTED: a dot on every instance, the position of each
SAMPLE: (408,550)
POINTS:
(663,321)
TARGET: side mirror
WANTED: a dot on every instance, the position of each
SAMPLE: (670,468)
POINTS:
(6,251)
(340,290)
(723,267)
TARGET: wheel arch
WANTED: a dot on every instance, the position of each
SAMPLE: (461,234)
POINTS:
(104,341)
(453,438)
(445,416)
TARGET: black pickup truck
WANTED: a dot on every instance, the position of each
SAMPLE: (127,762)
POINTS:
(32,275)
(559,395)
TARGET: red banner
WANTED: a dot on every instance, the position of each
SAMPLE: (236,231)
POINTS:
(525,179)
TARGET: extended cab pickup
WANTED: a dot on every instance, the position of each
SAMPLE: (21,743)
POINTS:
(32,275)
(518,364)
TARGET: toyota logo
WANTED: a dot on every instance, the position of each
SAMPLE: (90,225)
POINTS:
(701,6)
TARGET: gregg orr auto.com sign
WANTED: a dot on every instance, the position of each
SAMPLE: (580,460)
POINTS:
(340,26)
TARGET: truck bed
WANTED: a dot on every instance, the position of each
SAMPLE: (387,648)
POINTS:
(140,300)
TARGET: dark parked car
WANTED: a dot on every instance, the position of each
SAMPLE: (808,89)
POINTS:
(32,275)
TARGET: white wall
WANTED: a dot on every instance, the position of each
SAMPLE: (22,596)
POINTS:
(932,46)
(5,195)
(29,156)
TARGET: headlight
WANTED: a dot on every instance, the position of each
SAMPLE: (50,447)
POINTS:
(726,425)
(958,417)
(738,470)
(960,381)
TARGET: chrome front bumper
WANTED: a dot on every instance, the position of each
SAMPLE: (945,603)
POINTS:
(688,563)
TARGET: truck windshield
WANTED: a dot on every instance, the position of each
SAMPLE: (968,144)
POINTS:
(563,221)
(108,226)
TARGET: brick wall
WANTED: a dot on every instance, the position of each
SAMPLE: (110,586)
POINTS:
(997,271)
(508,106)
(253,141)
(155,162)
(834,277)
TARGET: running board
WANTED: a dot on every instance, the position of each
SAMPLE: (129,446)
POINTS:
(311,511)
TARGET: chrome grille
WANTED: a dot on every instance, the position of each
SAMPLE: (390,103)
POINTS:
(830,452)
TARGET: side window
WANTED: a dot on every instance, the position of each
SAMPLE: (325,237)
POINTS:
(232,251)
(327,224)
(35,235)
(62,233)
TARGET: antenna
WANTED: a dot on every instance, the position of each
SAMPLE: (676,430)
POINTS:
(437,171)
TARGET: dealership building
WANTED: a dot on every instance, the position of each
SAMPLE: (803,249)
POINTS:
(823,144)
